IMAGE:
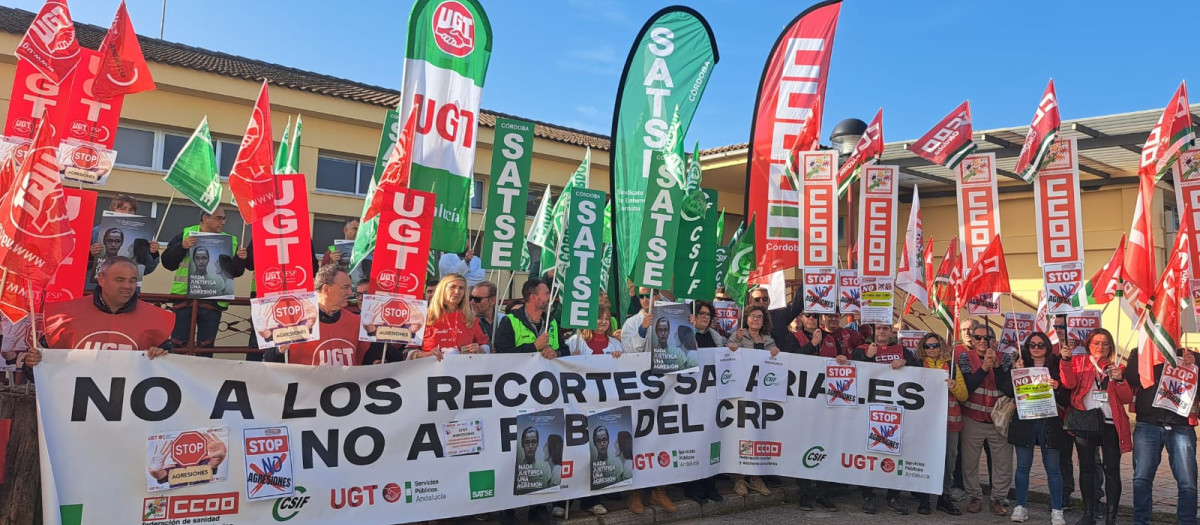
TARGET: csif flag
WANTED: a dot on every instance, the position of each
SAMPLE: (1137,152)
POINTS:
(123,69)
(794,78)
(949,142)
(1170,136)
(868,149)
(911,275)
(194,172)
(1162,323)
(251,180)
(50,45)
(1040,137)
(743,257)
(1106,284)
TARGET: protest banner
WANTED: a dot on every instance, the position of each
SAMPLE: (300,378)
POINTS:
(672,338)
(1176,389)
(794,78)
(405,229)
(123,235)
(816,228)
(1017,327)
(388,318)
(284,318)
(849,292)
(209,260)
(1035,397)
(841,386)
(696,258)
(978,220)
(283,240)
(581,276)
(612,442)
(512,155)
(877,222)
(446,60)
(1079,325)
(382,425)
(726,318)
(820,290)
(69,281)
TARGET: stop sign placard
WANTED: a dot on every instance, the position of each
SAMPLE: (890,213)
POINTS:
(395,312)
(189,448)
(288,311)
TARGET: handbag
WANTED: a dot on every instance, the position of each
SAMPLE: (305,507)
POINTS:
(1002,414)
(1084,420)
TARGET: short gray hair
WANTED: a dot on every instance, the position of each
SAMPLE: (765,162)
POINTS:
(488,285)
(326,275)
(113,261)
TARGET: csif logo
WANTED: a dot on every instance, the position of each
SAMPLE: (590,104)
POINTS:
(726,377)
(770,379)
(814,456)
(287,508)
(483,484)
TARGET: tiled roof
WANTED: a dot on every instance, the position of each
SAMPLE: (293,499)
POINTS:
(16,21)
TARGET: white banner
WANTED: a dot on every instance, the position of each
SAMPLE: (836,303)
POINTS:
(366,442)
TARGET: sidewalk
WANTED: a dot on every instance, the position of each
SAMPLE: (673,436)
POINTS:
(1165,491)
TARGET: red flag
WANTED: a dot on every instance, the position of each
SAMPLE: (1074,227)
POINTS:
(989,274)
(809,138)
(282,251)
(49,44)
(1162,325)
(35,231)
(252,179)
(1042,132)
(1105,285)
(949,142)
(123,69)
(869,148)
(949,274)
(1170,136)
(398,168)
(8,174)
(405,229)
(1139,268)
(929,288)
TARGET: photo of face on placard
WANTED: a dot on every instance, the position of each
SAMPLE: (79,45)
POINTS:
(539,452)
(209,261)
(611,435)
(125,236)
(672,339)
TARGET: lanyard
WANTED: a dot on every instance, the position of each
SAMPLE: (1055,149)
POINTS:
(1101,377)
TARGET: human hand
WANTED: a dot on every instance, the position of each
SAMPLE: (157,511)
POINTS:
(647,321)
(335,256)
(872,350)
(1116,373)
(616,353)
(950,384)
(189,242)
(542,342)
(96,249)
(155,351)
(154,247)
(897,363)
(472,348)
(1053,384)
(818,335)
(774,352)
(241,253)
(33,357)
(549,353)
(468,256)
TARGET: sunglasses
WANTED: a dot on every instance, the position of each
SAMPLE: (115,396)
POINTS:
(810,316)
(1037,345)
(479,299)
(1060,327)
(979,337)
(645,296)
(761,299)
(931,346)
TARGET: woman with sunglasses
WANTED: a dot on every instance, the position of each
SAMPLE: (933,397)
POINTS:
(1047,432)
(936,354)
(449,327)
(1098,420)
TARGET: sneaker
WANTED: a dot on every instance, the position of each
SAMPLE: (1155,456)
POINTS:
(597,510)
(806,503)
(898,506)
(711,492)
(826,504)
(558,512)
(1056,517)
(946,504)
(957,495)
(1019,514)
(869,505)
(756,484)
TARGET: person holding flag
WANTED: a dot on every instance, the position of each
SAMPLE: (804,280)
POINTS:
(979,364)
(176,259)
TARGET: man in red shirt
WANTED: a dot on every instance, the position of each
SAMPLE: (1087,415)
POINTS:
(339,344)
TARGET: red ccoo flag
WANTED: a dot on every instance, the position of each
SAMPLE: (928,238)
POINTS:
(123,69)
(1139,268)
(949,142)
(1162,323)
(989,274)
(1042,132)
(869,148)
(1169,137)
(252,179)
(398,168)
(49,44)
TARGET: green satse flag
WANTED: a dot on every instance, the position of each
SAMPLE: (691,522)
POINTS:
(293,163)
(743,259)
(364,242)
(281,154)
(654,266)
(446,59)
(539,229)
(606,256)
(512,154)
(194,172)
(581,272)
(695,260)
(558,217)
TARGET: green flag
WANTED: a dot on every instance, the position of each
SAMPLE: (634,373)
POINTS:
(512,154)
(194,172)
(449,45)
(722,257)
(539,230)
(364,242)
(720,231)
(606,256)
(558,218)
(293,163)
(695,201)
(695,262)
(743,259)
(281,155)
(581,272)
(654,265)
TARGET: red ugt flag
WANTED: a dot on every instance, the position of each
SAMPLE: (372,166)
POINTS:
(1163,324)
(123,69)
(399,166)
(949,142)
(49,44)
(1042,132)
(252,179)
(35,231)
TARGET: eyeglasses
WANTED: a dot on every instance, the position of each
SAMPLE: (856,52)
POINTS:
(479,299)
(761,299)
(978,337)
(810,316)
(645,296)
(217,218)
(931,346)
(704,314)
(1060,327)
(754,316)
(1037,345)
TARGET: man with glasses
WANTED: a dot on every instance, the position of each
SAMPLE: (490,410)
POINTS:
(637,328)
(483,304)
(812,339)
(780,319)
(978,365)
(847,339)
(175,258)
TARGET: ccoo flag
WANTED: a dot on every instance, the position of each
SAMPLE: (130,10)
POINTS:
(1042,132)
(868,149)
(1171,135)
(949,142)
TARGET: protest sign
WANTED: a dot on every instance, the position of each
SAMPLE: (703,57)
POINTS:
(612,448)
(1061,283)
(283,240)
(539,460)
(186,458)
(841,388)
(877,221)
(209,262)
(268,463)
(512,154)
(728,369)
(463,438)
(726,319)
(820,290)
(884,431)
(124,235)
(285,318)
(672,338)
(1017,328)
(84,161)
(1035,397)
(910,341)
(849,293)
(581,275)
(1079,325)
(772,384)
(388,318)
(878,296)
(1176,389)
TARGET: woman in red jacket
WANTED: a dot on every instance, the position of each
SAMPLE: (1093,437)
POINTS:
(1097,418)
(449,326)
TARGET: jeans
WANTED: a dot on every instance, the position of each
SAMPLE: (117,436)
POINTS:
(207,323)
(1105,440)
(1148,443)
(1050,462)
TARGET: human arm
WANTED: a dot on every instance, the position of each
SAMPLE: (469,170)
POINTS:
(631,340)
(1132,376)
(959,391)
(972,378)
(475,272)
(175,253)
(1068,378)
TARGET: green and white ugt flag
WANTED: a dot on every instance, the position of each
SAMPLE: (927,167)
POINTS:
(581,272)
(504,231)
(364,242)
(446,61)
(194,172)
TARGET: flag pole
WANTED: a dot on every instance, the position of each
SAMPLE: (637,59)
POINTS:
(554,284)
(32,327)
(163,220)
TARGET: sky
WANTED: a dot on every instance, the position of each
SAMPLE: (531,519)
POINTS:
(559,61)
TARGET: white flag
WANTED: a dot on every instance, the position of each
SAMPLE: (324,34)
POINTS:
(911,277)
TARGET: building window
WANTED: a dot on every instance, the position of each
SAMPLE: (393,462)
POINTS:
(135,147)
(343,175)
(534,198)
(227,152)
(477,189)
(157,149)
(325,231)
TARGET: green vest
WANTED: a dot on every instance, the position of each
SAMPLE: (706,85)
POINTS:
(522,335)
(180,285)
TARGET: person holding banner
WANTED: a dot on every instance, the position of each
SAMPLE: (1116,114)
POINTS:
(1098,420)
(755,332)
(126,205)
(113,318)
(1047,432)
(449,327)
(176,259)
(1159,427)
(884,350)
(937,355)
(813,340)
(524,331)
(702,320)
(978,365)
(637,328)
(598,341)
(847,339)
(338,344)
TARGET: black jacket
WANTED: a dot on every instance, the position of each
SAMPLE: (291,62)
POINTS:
(780,319)
(1021,431)
(1143,398)
(506,339)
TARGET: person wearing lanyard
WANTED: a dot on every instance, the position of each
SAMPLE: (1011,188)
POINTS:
(1099,394)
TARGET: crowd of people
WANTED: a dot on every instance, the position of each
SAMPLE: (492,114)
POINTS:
(1093,389)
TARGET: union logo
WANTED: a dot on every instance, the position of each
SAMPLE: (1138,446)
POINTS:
(454,29)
